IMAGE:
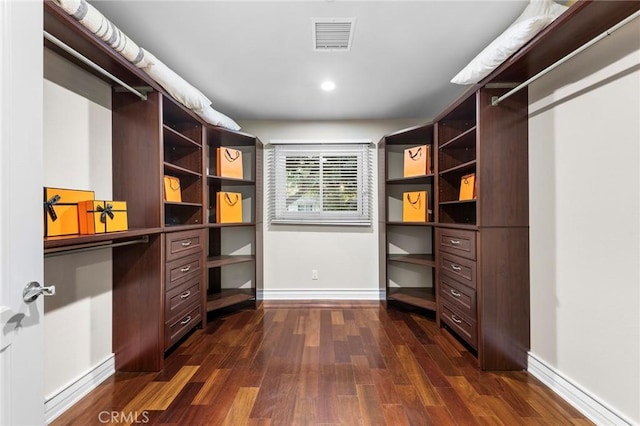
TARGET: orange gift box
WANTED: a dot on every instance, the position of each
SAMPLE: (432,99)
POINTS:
(468,187)
(229,207)
(417,161)
(415,206)
(229,163)
(61,210)
(172,190)
(99,217)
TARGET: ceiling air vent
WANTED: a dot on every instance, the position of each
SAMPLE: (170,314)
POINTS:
(332,34)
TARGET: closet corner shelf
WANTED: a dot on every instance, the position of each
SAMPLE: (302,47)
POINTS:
(176,138)
(416,259)
(231,181)
(411,180)
(218,261)
(397,223)
(460,168)
(421,297)
(228,297)
(461,141)
(71,242)
(180,170)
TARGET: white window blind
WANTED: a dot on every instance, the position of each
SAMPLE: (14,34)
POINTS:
(321,184)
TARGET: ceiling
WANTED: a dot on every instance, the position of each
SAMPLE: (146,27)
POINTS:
(255,60)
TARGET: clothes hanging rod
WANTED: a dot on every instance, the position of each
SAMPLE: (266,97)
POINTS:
(92,64)
(80,249)
(495,100)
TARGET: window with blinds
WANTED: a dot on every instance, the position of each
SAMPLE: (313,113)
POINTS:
(321,184)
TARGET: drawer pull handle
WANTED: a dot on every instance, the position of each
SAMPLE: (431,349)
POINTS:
(455,319)
(186,243)
(185,269)
(456,267)
(188,293)
(455,293)
(186,321)
(455,242)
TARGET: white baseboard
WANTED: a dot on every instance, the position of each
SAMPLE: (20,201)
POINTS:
(61,401)
(588,404)
(324,294)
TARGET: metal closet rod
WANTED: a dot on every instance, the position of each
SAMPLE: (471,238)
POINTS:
(142,240)
(92,64)
(495,100)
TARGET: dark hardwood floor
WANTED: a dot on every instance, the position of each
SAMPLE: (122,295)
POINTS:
(322,363)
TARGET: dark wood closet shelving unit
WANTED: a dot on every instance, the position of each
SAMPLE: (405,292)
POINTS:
(169,276)
(393,231)
(481,245)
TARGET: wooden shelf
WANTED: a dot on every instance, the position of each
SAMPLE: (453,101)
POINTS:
(458,226)
(469,165)
(461,141)
(173,137)
(411,224)
(447,203)
(182,204)
(415,259)
(219,261)
(228,297)
(228,225)
(180,170)
(174,228)
(231,181)
(421,297)
(70,242)
(424,179)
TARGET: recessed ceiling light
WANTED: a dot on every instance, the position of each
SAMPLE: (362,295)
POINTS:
(328,86)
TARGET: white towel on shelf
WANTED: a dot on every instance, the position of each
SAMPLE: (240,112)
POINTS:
(98,24)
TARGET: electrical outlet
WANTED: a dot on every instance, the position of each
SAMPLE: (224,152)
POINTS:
(314,274)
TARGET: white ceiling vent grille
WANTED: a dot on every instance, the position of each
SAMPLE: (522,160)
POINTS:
(332,34)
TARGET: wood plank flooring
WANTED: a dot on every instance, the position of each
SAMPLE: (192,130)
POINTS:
(322,363)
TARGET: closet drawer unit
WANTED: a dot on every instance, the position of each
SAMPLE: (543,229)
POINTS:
(458,295)
(175,329)
(458,242)
(181,244)
(463,270)
(463,326)
(181,297)
(182,270)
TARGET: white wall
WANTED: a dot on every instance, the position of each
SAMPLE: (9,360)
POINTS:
(584,143)
(346,258)
(77,154)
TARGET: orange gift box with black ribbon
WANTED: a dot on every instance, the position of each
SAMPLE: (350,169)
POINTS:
(61,210)
(415,206)
(229,163)
(417,161)
(99,217)
(229,207)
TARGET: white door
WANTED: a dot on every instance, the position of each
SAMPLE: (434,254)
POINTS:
(21,257)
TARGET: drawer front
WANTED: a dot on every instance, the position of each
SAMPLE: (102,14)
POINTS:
(458,242)
(181,297)
(464,270)
(177,328)
(181,270)
(181,244)
(459,296)
(464,327)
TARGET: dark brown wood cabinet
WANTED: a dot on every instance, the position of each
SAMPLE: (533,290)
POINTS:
(485,305)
